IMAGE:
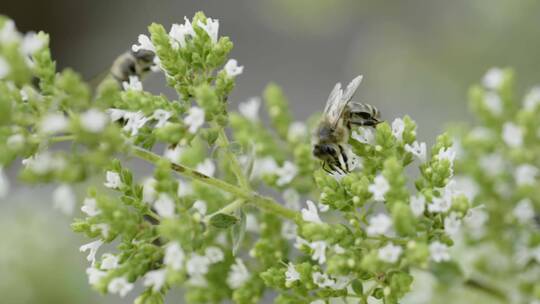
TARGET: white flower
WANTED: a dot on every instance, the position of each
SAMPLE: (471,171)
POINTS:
(364,135)
(379,224)
(211,28)
(184,189)
(525,175)
(162,117)
(252,225)
(319,251)
(194,119)
(532,100)
(144,44)
(9,33)
(238,275)
(179,32)
(174,256)
(379,188)
(149,190)
(155,278)
(119,286)
(31,43)
(398,126)
(15,142)
(311,213)
(94,275)
(493,78)
(64,199)
(418,204)
(286,173)
(206,167)
(476,218)
(214,254)
(524,211)
(466,186)
(164,206)
(448,154)
(174,153)
(263,166)
(113,180)
(452,224)
(493,164)
(135,121)
(288,230)
(197,265)
(439,252)
(92,248)
(440,204)
(4,67)
(134,84)
(116,114)
(94,121)
(512,135)
(417,149)
(232,68)
(53,123)
(338,249)
(493,103)
(297,131)
(341,282)
(323,207)
(4,183)
(250,108)
(200,206)
(322,280)
(103,228)
(291,275)
(390,253)
(109,261)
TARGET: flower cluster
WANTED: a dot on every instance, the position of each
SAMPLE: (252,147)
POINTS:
(498,170)
(197,220)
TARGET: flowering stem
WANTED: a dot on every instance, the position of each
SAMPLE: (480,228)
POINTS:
(228,209)
(259,201)
(482,287)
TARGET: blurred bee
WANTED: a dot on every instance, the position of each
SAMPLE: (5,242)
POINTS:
(332,134)
(132,64)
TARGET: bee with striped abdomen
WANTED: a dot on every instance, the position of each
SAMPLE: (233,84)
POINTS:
(332,134)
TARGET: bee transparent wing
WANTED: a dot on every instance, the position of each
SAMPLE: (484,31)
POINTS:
(351,88)
(331,110)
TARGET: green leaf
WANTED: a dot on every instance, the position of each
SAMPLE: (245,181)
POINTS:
(238,232)
(223,221)
(448,272)
(357,287)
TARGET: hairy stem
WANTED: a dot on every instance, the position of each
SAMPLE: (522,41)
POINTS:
(257,200)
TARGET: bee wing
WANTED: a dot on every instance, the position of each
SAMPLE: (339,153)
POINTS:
(337,101)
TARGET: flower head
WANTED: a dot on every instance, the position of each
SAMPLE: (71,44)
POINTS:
(135,121)
(113,180)
(525,175)
(165,206)
(109,261)
(493,78)
(319,251)
(94,275)
(119,286)
(452,224)
(195,119)
(297,131)
(232,68)
(134,84)
(250,108)
(207,167)
(364,135)
(322,280)
(512,135)
(379,188)
(238,275)
(155,279)
(174,256)
(439,252)
(162,117)
(64,199)
(418,204)
(179,33)
(311,214)
(31,43)
(524,211)
(211,27)
(144,44)
(291,275)
(390,253)
(379,224)
(417,149)
(286,173)
(54,123)
(214,254)
(92,249)
(398,126)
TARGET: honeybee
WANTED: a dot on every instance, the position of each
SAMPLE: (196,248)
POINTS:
(333,131)
(132,64)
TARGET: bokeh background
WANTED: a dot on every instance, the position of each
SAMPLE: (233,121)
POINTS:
(418,58)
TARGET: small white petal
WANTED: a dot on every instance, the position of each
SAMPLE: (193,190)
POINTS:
(94,275)
(174,256)
(525,175)
(291,275)
(390,253)
(493,78)
(524,211)
(119,286)
(64,199)
(134,84)
(512,135)
(109,261)
(113,180)
(165,206)
(379,224)
(53,123)
(200,206)
(149,190)
(195,119)
(439,252)
(250,108)
(94,121)
(418,150)
(162,117)
(211,28)
(155,279)
(232,68)
(398,126)
(286,173)
(214,254)
(31,43)
(311,213)
(319,251)
(418,204)
(379,188)
(207,167)
(238,275)
(144,44)
(92,248)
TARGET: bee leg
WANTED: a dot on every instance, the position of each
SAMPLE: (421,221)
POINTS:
(344,158)
(324,166)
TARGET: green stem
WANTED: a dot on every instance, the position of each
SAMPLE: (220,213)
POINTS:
(228,209)
(259,201)
(482,287)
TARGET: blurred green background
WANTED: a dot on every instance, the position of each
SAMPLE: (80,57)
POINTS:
(418,58)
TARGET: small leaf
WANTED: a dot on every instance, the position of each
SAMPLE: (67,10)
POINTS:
(223,221)
(238,232)
(448,272)
(357,287)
